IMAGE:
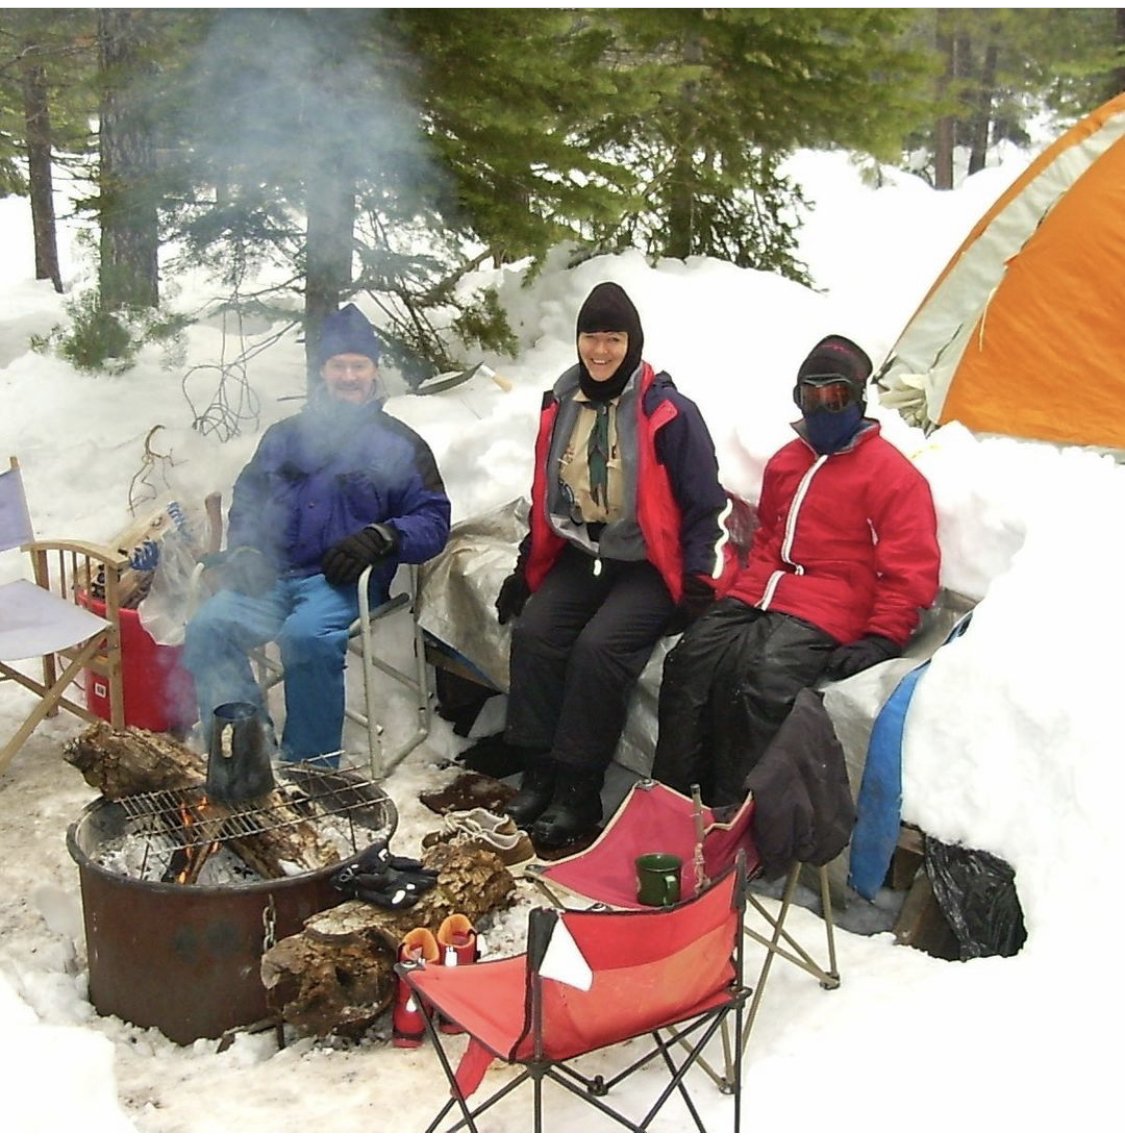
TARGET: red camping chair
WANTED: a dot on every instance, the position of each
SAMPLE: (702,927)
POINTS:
(590,980)
(654,817)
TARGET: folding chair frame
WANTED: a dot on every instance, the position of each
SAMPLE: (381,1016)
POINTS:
(777,941)
(795,954)
(593,1089)
(66,568)
(361,643)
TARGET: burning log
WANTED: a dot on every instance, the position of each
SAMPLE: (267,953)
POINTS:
(189,859)
(337,975)
(126,763)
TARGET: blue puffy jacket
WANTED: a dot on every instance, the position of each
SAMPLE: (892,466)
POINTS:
(328,472)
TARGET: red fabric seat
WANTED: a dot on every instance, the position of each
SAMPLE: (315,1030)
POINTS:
(589,980)
(654,818)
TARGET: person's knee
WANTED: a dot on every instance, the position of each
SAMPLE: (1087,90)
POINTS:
(533,639)
(300,642)
(206,630)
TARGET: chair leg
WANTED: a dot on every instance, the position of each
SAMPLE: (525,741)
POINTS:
(799,957)
(829,930)
(45,706)
(417,684)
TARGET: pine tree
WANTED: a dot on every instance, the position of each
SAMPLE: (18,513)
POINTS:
(1000,67)
(734,92)
(46,65)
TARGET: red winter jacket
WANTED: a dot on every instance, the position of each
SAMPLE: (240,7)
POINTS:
(847,542)
(680,504)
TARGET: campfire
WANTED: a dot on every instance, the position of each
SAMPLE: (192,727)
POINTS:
(203,918)
(173,835)
(166,950)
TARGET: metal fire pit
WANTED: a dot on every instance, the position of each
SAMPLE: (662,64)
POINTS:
(186,958)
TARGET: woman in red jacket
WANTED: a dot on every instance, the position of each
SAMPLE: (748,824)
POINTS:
(844,557)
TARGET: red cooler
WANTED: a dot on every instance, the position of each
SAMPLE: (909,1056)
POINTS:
(158,692)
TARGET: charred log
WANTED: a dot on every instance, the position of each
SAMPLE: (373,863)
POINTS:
(126,763)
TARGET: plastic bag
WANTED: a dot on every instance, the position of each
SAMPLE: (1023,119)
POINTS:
(977,894)
(164,612)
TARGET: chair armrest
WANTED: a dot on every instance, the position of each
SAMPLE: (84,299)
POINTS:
(107,556)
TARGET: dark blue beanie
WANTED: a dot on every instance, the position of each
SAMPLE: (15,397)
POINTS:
(348,331)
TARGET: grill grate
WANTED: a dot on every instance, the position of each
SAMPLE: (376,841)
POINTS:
(159,816)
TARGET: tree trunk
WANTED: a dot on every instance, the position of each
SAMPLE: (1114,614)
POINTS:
(337,975)
(37,118)
(680,237)
(943,133)
(130,237)
(331,204)
(681,203)
(982,113)
(1117,76)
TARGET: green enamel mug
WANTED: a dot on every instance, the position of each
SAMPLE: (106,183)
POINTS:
(658,879)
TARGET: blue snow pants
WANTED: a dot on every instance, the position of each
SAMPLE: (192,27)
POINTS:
(308,618)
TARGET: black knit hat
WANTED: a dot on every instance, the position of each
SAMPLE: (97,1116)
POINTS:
(608,309)
(348,331)
(836,354)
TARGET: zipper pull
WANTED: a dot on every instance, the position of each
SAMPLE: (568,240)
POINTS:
(597,566)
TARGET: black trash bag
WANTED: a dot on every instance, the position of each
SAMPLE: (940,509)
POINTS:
(493,756)
(460,700)
(976,893)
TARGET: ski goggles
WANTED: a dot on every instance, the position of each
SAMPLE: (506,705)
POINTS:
(830,393)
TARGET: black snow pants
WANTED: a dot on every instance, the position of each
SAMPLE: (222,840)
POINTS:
(727,686)
(581,643)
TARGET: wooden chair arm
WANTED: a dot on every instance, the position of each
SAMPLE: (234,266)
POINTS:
(112,559)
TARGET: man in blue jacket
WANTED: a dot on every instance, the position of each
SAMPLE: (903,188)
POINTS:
(339,487)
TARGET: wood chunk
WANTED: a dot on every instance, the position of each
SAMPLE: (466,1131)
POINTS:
(337,975)
(124,763)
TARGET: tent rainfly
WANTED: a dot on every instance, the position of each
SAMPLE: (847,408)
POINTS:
(1023,332)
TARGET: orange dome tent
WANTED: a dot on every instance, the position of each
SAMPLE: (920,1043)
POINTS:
(1023,333)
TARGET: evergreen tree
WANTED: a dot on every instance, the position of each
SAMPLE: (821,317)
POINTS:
(46,64)
(733,92)
(999,68)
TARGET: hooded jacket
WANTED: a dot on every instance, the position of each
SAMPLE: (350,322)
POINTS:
(679,501)
(329,471)
(847,541)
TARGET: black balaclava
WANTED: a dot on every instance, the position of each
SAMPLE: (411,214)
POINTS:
(828,432)
(608,309)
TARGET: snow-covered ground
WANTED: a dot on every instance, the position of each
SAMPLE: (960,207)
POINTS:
(1013,742)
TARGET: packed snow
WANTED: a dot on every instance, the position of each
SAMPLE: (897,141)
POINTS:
(1012,744)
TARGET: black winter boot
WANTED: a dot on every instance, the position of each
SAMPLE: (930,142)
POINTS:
(536,788)
(575,809)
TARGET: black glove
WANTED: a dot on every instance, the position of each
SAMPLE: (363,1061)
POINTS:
(345,562)
(851,658)
(514,594)
(245,570)
(381,878)
(698,597)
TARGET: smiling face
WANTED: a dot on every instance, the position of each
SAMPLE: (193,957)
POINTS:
(602,353)
(349,377)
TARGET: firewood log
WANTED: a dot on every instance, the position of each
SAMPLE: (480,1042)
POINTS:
(123,763)
(337,976)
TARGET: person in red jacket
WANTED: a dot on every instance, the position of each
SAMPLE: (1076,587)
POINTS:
(624,543)
(844,557)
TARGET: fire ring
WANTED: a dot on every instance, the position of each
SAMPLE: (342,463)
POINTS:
(186,958)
